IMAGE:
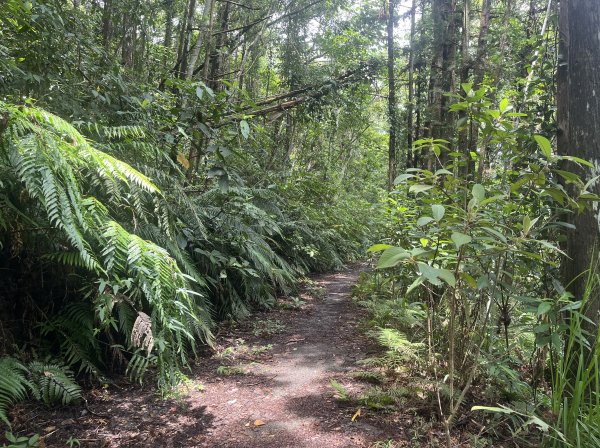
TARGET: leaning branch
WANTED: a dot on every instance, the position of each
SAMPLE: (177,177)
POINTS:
(299,96)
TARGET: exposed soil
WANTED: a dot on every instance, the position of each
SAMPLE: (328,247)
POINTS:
(267,385)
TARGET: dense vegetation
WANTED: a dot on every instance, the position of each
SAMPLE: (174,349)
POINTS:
(165,165)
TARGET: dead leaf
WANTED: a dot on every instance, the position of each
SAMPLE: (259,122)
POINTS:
(183,161)
(259,422)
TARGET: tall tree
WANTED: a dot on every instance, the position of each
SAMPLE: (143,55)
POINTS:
(579,135)
(392,162)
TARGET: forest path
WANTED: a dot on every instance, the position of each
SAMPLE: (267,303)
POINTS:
(267,385)
(286,399)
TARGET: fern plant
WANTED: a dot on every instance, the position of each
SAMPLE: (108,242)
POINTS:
(48,382)
(57,171)
(14,385)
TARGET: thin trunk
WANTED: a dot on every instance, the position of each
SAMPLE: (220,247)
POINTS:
(107,28)
(466,131)
(187,40)
(411,86)
(169,13)
(208,44)
(182,37)
(392,162)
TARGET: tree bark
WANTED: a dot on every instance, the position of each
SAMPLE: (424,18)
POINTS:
(106,23)
(442,69)
(411,86)
(578,100)
(392,162)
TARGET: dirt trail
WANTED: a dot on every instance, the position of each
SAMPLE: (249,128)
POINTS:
(283,398)
(296,400)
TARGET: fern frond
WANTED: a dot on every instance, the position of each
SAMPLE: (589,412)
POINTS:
(14,385)
(53,383)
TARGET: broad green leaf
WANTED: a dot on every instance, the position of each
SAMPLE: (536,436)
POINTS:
(419,188)
(492,199)
(245,129)
(443,171)
(552,247)
(483,282)
(378,247)
(402,177)
(468,279)
(478,192)
(424,220)
(438,211)
(460,239)
(544,308)
(447,276)
(391,257)
(495,233)
(430,273)
(571,306)
(542,425)
(418,281)
(544,144)
(577,160)
(568,176)
(504,103)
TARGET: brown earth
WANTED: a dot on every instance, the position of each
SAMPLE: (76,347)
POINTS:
(266,385)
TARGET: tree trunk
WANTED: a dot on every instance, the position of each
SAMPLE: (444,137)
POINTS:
(466,131)
(392,162)
(169,13)
(411,87)
(187,40)
(107,23)
(442,69)
(579,134)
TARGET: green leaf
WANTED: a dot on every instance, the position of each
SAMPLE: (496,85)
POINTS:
(495,233)
(544,145)
(568,176)
(418,281)
(438,211)
(478,192)
(504,103)
(378,247)
(429,273)
(245,129)
(447,276)
(492,409)
(542,426)
(402,177)
(424,220)
(577,160)
(544,308)
(419,188)
(469,279)
(391,257)
(460,239)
